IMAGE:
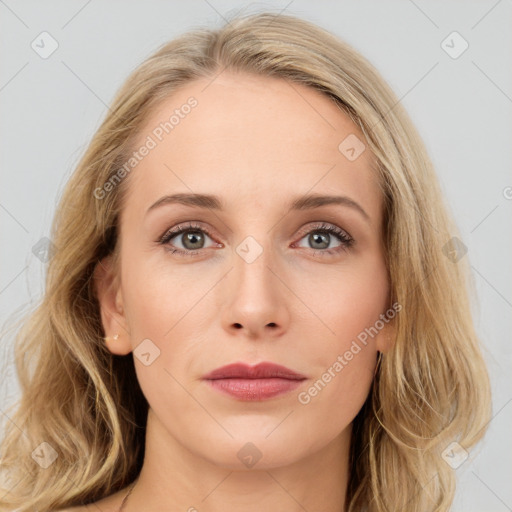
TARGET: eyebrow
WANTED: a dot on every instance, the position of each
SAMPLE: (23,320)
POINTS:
(211,202)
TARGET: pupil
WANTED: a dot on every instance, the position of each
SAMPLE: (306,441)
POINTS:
(321,236)
(192,237)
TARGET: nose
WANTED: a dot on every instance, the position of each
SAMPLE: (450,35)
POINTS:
(255,297)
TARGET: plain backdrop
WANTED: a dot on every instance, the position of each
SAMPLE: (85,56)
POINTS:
(462,107)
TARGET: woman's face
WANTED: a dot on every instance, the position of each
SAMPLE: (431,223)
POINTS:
(254,279)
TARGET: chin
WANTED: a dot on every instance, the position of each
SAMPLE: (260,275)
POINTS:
(252,450)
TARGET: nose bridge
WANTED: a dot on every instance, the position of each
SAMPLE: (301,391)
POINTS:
(253,253)
(252,259)
(256,300)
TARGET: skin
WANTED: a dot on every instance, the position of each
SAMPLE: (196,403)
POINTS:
(257,143)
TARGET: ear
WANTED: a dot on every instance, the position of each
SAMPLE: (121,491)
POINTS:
(110,298)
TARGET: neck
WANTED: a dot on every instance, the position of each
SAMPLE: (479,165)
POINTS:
(175,478)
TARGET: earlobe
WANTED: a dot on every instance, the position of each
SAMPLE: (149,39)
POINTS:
(109,294)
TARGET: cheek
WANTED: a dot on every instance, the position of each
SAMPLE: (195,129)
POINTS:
(344,358)
(158,295)
(164,306)
(347,300)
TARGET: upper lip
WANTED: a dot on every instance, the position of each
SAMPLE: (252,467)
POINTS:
(263,370)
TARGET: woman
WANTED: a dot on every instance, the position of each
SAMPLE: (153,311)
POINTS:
(256,299)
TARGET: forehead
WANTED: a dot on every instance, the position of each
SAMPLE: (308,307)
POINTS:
(250,138)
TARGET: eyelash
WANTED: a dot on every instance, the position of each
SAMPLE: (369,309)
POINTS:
(346,240)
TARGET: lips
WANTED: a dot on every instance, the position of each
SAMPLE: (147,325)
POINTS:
(260,371)
(250,383)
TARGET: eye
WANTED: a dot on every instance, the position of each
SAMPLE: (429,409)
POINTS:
(191,237)
(321,237)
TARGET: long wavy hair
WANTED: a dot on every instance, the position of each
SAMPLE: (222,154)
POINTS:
(432,389)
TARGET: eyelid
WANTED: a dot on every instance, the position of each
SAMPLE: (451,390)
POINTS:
(345,239)
(323,225)
(319,225)
(184,226)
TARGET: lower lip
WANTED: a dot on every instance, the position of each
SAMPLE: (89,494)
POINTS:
(254,389)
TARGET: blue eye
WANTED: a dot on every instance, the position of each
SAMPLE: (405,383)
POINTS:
(193,236)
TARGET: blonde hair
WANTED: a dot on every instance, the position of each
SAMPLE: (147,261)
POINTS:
(430,390)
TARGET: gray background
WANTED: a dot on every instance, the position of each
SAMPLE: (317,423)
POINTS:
(462,108)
